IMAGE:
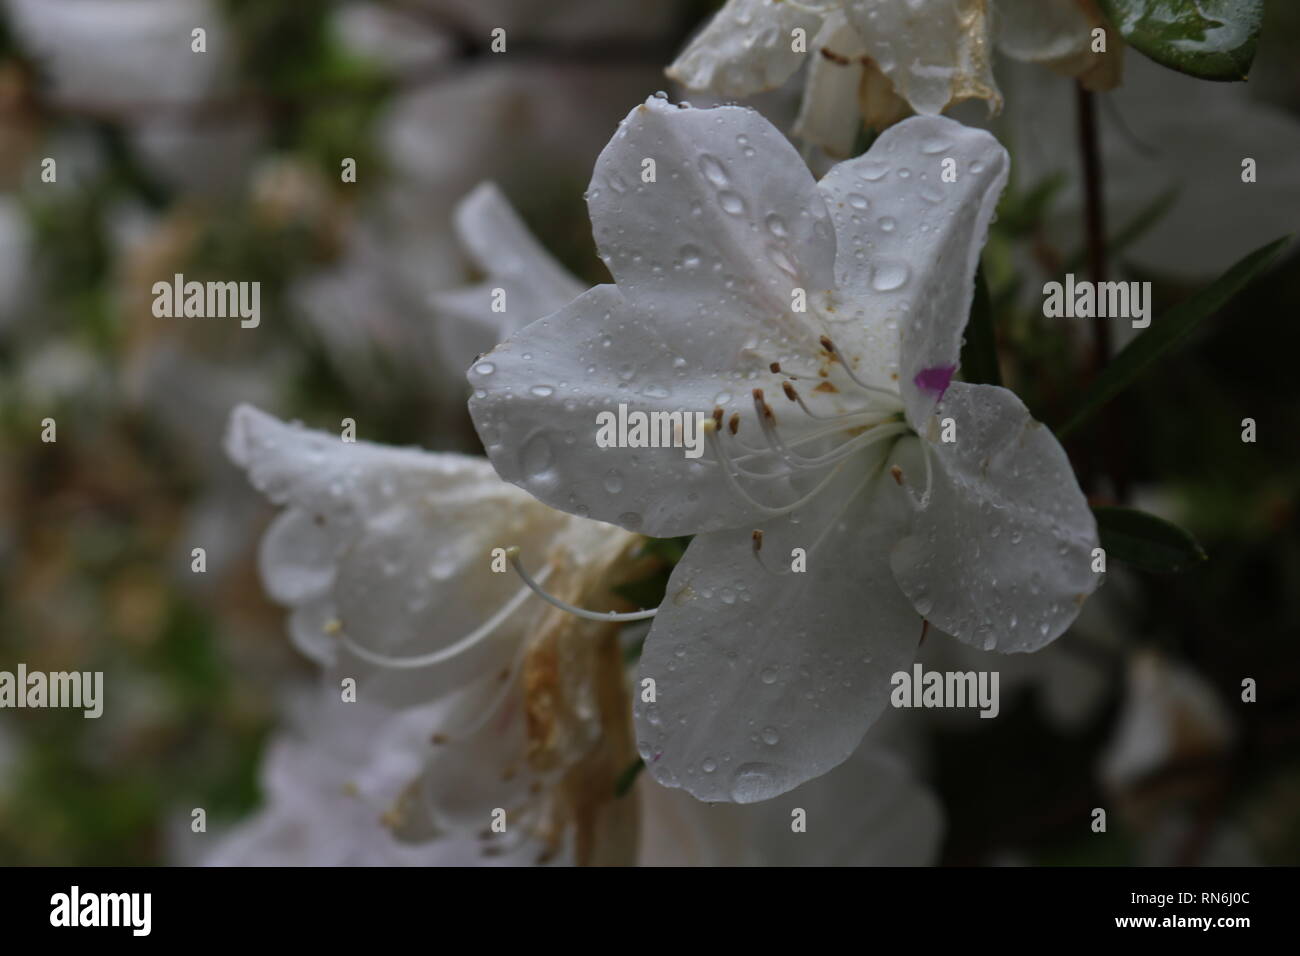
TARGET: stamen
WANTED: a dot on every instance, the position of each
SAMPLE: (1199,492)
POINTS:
(513,554)
(766,422)
(734,423)
(793,394)
(725,462)
(717,415)
(443,654)
(829,346)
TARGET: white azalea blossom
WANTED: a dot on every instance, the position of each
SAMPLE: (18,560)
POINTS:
(386,557)
(767,676)
(882,57)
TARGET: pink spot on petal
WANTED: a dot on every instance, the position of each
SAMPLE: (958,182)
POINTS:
(935,380)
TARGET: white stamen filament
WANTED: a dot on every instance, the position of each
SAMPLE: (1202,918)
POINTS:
(513,554)
(443,654)
(711,432)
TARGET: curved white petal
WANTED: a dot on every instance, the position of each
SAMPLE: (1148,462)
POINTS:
(1001,554)
(391,548)
(746,48)
(523,281)
(537,398)
(868,811)
(763,681)
(908,244)
(732,221)
(829,114)
(936,52)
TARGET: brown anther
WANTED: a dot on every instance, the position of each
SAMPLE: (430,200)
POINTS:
(925,628)
(776,368)
(897,473)
(758,539)
(835,57)
(790,393)
(734,424)
(827,344)
(717,415)
(758,394)
(438,739)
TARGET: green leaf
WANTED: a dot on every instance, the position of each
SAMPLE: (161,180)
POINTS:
(1145,541)
(979,354)
(628,777)
(1210,39)
(1169,331)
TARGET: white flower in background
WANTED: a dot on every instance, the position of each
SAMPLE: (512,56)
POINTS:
(869,811)
(328,783)
(766,676)
(1161,133)
(510,259)
(131,60)
(878,58)
(1170,715)
(386,557)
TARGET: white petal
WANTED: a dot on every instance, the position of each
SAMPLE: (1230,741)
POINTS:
(1001,556)
(390,547)
(829,116)
(1042,31)
(936,52)
(746,48)
(536,400)
(501,246)
(908,244)
(733,220)
(764,681)
(869,811)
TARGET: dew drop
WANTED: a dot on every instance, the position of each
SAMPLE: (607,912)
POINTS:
(713,170)
(731,203)
(888,276)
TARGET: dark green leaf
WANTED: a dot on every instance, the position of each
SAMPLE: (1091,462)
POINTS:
(1169,331)
(628,777)
(979,354)
(1210,39)
(1145,541)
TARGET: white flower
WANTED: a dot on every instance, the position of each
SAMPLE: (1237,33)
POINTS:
(327,784)
(131,60)
(386,558)
(879,57)
(765,676)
